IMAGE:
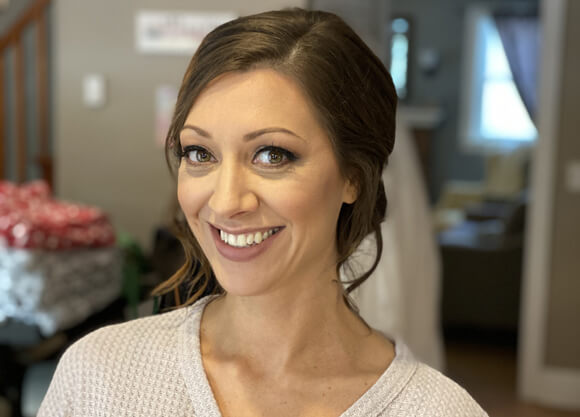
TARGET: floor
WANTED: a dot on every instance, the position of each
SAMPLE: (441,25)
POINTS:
(488,372)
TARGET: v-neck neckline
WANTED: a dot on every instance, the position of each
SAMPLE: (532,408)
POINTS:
(371,403)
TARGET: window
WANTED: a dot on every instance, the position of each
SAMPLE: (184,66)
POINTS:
(399,67)
(494,115)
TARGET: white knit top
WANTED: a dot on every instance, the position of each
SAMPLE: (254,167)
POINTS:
(152,367)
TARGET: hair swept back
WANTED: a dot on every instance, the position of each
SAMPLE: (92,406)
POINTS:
(354,98)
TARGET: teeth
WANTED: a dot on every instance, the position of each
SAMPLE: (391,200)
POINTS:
(245,240)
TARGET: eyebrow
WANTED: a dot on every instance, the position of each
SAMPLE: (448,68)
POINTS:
(247,136)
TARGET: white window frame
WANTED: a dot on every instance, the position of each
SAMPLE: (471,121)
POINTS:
(471,91)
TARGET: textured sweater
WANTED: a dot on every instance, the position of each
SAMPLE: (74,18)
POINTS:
(153,367)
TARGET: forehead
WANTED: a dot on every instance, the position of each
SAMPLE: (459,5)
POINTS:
(255,99)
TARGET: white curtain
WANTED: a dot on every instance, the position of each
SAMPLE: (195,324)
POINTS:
(401,298)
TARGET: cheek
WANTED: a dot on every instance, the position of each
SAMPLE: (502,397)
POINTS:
(190,197)
(312,204)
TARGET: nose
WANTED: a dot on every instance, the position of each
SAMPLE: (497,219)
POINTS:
(233,193)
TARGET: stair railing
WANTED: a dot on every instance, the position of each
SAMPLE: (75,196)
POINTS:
(35,16)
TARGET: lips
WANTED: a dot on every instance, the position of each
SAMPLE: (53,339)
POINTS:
(244,246)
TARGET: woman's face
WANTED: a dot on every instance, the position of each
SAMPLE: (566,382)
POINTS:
(259,183)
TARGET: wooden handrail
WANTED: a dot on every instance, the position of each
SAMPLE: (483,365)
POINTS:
(22,23)
(35,15)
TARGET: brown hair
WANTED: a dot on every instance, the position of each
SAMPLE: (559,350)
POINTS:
(352,93)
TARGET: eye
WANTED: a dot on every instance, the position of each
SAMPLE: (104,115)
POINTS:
(197,155)
(274,156)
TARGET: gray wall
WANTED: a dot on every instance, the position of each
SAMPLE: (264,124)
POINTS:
(563,332)
(367,17)
(107,157)
(440,25)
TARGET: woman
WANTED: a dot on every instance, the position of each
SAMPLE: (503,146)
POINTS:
(282,127)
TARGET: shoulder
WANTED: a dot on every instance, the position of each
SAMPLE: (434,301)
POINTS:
(136,341)
(416,389)
(105,366)
(135,338)
(434,394)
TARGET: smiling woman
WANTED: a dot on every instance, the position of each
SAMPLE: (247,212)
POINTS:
(312,65)
(231,176)
(282,128)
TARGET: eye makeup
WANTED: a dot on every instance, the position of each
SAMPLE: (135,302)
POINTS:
(267,157)
(202,155)
(273,156)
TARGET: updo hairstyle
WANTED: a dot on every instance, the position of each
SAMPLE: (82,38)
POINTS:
(354,99)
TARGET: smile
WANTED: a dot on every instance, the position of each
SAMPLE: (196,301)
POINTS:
(246,240)
(244,246)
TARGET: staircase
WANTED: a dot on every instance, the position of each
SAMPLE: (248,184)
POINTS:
(25,132)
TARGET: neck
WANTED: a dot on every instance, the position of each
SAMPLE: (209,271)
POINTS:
(276,331)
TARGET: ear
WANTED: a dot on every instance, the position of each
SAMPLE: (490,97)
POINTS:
(349,192)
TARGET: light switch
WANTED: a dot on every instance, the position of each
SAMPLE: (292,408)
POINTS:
(94,91)
(573,176)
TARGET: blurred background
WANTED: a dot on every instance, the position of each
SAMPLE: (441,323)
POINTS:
(489,92)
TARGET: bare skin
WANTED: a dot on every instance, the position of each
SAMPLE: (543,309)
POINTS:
(316,360)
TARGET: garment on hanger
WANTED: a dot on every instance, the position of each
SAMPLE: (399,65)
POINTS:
(401,298)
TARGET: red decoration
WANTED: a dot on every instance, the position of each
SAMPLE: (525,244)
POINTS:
(30,218)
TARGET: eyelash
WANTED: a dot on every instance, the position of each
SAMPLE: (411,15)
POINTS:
(193,148)
(286,154)
(289,156)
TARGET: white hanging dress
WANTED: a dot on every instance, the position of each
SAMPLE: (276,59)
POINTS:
(402,296)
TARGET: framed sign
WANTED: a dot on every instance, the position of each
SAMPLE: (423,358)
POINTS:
(176,33)
(165,99)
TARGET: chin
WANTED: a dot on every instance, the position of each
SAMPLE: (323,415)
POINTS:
(243,286)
